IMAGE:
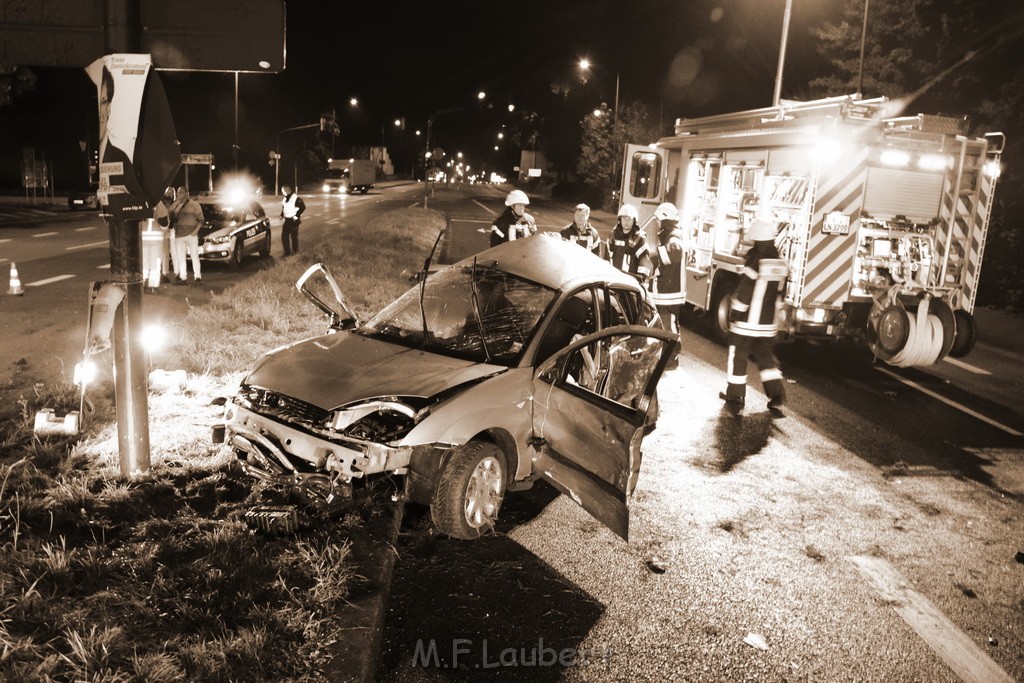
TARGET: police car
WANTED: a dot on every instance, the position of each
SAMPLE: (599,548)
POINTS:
(234,229)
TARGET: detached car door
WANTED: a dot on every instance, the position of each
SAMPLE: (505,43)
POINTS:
(590,404)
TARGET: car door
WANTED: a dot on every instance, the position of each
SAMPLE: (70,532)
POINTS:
(590,404)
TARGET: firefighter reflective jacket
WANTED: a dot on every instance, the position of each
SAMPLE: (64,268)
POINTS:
(629,253)
(753,312)
(508,226)
(587,237)
(669,259)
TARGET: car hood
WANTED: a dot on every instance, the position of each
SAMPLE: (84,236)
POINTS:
(338,369)
(215,229)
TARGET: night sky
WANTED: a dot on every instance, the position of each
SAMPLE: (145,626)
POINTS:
(411,59)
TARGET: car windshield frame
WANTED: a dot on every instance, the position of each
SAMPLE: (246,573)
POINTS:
(497,329)
(217,213)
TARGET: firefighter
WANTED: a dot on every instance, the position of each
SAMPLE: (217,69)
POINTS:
(582,232)
(514,222)
(668,285)
(752,319)
(627,247)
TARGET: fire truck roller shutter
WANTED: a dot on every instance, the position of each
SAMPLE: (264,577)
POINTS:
(796,161)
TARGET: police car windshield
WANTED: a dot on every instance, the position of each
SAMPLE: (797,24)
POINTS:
(509,310)
(219,213)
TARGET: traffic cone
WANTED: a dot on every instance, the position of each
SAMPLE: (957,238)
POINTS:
(15,288)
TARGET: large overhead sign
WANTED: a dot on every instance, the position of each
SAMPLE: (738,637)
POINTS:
(184,35)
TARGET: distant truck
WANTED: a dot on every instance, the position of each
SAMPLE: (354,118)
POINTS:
(348,176)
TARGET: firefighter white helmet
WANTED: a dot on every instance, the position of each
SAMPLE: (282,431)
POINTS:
(666,211)
(761,230)
(516,197)
(628,210)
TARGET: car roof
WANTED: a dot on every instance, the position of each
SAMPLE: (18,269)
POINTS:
(548,259)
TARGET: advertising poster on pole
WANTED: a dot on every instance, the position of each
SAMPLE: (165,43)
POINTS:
(138,151)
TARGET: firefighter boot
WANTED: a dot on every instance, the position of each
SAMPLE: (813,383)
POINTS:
(774,387)
(734,395)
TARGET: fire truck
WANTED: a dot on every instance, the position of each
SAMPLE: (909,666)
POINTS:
(882,217)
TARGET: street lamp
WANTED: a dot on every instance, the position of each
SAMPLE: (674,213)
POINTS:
(585,68)
(481,96)
(782,53)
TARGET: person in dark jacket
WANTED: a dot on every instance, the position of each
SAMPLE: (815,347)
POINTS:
(292,207)
(753,327)
(668,291)
(513,223)
(627,247)
(583,233)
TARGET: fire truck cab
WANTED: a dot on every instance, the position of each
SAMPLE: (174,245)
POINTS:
(882,218)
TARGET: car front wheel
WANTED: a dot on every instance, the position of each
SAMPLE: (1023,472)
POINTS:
(470,491)
(265,246)
(235,260)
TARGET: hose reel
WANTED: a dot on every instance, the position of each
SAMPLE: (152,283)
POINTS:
(906,339)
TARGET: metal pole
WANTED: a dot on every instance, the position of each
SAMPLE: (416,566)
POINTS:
(121,19)
(234,149)
(426,155)
(615,112)
(863,37)
(782,54)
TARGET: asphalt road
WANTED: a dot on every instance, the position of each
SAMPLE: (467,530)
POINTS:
(869,535)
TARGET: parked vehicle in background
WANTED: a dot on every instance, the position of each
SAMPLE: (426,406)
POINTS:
(348,176)
(235,228)
(83,199)
(531,360)
(882,219)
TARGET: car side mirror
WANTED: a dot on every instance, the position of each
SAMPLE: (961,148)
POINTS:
(340,315)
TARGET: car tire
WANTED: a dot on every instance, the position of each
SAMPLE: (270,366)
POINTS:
(237,256)
(264,250)
(469,493)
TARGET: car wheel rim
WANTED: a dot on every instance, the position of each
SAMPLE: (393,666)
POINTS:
(483,494)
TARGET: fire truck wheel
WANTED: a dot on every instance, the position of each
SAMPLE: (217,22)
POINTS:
(966,334)
(893,329)
(941,310)
(718,313)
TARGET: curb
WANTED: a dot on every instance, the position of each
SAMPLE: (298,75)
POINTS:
(356,653)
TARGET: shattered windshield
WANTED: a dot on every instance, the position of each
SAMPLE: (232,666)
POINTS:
(509,310)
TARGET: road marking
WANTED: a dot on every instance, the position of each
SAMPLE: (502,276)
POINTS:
(966,366)
(334,221)
(45,234)
(490,211)
(105,266)
(91,245)
(49,280)
(959,652)
(6,239)
(91,227)
(958,406)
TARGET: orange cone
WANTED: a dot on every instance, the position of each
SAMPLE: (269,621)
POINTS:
(15,288)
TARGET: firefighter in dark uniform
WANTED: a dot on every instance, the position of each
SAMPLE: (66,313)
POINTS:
(513,223)
(627,247)
(753,327)
(668,285)
(583,233)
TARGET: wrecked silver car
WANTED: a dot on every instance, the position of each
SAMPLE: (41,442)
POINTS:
(531,360)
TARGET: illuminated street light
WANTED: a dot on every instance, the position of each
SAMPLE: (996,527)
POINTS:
(353,102)
(585,66)
(481,95)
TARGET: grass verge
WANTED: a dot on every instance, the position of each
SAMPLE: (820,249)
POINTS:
(103,579)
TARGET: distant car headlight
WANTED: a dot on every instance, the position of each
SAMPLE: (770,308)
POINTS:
(326,188)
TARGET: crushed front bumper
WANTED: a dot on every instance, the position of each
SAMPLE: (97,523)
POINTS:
(276,452)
